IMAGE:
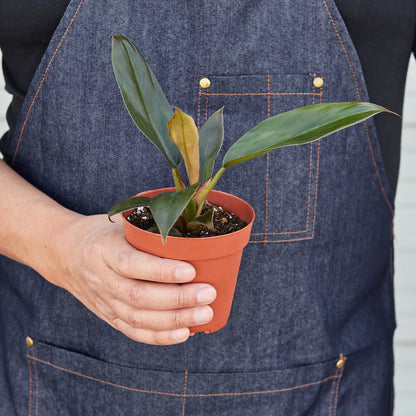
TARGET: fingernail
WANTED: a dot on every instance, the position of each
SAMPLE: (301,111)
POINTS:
(184,274)
(203,315)
(206,295)
(181,334)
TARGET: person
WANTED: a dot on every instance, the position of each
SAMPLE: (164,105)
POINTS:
(313,319)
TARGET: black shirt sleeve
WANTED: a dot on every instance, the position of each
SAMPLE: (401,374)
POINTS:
(25,31)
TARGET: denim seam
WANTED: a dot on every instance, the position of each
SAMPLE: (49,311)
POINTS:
(206,104)
(359,99)
(42,82)
(35,368)
(30,383)
(331,396)
(185,395)
(37,385)
(266,221)
(337,391)
(198,120)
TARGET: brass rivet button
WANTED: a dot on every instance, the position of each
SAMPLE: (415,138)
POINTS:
(204,83)
(341,362)
(29,342)
(318,82)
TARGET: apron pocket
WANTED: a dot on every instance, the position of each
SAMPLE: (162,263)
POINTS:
(63,382)
(281,186)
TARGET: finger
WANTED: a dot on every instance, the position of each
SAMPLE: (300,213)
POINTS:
(164,320)
(129,262)
(148,336)
(159,296)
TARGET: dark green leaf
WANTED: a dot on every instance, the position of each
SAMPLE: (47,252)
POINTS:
(203,221)
(211,136)
(168,206)
(190,210)
(135,202)
(143,96)
(298,126)
(174,232)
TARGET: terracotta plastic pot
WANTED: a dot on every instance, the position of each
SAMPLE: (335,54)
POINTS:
(216,259)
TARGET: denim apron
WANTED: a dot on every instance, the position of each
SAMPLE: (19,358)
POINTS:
(316,278)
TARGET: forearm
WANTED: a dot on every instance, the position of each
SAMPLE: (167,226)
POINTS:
(29,221)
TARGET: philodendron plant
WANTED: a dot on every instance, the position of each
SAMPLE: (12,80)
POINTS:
(175,134)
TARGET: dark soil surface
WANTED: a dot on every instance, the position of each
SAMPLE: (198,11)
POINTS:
(224,222)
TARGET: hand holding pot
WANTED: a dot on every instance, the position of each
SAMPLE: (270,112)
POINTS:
(134,292)
(137,293)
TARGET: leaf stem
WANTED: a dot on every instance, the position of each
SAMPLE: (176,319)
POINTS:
(200,197)
(177,178)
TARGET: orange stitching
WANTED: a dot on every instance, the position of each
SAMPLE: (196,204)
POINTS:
(259,93)
(343,47)
(268,96)
(109,383)
(316,186)
(206,107)
(37,385)
(313,383)
(337,391)
(199,108)
(30,383)
(184,393)
(359,99)
(42,81)
(310,167)
(246,393)
(309,187)
(267,166)
(377,172)
(282,241)
(282,233)
(331,395)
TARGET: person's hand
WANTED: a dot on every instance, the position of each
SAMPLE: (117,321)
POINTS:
(147,298)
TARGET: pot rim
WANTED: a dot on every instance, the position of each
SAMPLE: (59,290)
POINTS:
(212,193)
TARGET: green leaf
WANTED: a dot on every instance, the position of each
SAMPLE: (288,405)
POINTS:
(183,132)
(190,210)
(299,126)
(168,206)
(143,96)
(135,202)
(203,221)
(211,136)
(201,194)
(177,178)
(174,232)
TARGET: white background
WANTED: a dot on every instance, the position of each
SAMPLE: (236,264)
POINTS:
(405,257)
